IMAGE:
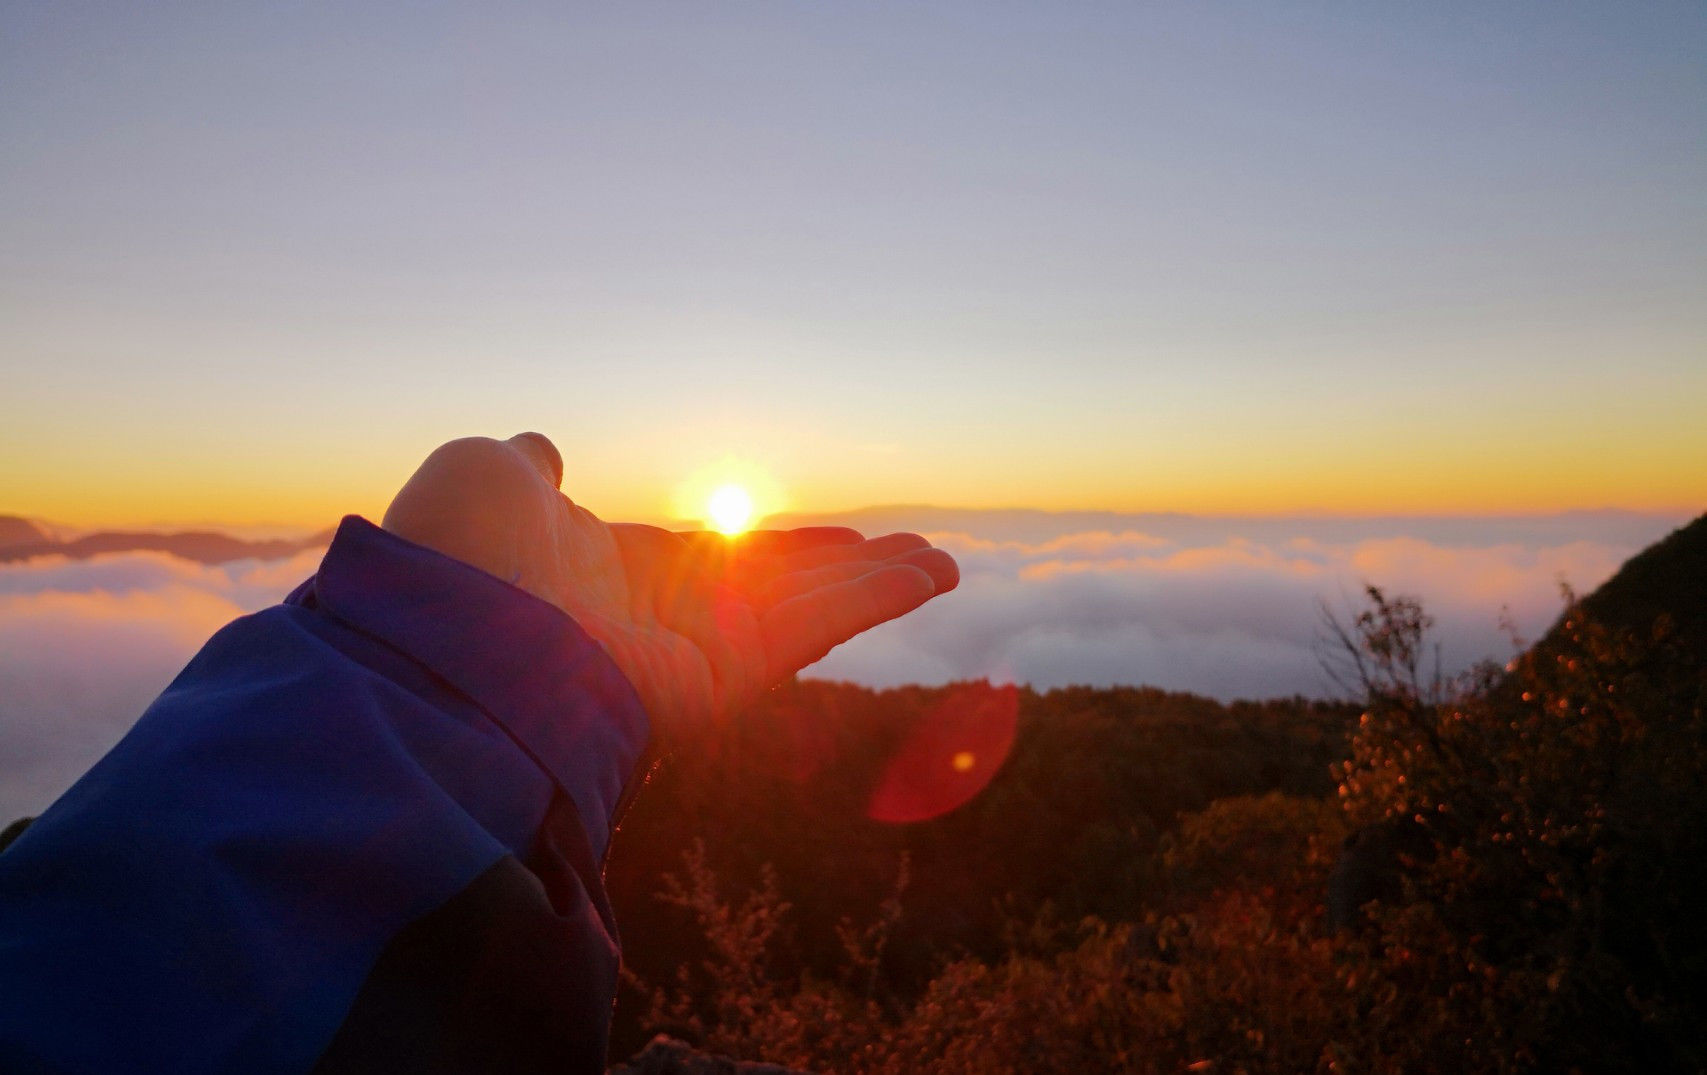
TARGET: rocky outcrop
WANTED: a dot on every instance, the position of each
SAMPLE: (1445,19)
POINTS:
(668,1056)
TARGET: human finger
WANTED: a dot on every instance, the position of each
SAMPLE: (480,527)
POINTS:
(783,587)
(756,572)
(749,560)
(940,566)
(782,542)
(538,450)
(878,548)
(759,543)
(804,628)
(468,499)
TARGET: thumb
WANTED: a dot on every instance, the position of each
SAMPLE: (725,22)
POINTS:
(543,454)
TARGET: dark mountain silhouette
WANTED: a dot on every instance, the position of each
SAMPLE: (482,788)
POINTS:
(1658,598)
(201,546)
(1669,579)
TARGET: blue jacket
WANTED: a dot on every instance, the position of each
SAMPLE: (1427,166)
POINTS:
(362,830)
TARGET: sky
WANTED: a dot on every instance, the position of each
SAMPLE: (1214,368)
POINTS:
(1300,259)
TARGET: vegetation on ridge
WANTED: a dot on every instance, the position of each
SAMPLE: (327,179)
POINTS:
(1143,885)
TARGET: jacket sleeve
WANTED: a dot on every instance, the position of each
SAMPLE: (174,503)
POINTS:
(362,830)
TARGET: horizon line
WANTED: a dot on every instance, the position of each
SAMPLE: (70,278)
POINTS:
(58,530)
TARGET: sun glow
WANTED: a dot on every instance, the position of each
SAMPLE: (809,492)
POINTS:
(730,509)
(731,495)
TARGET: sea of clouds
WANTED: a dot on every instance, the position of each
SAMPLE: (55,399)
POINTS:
(1235,618)
(1223,610)
(85,645)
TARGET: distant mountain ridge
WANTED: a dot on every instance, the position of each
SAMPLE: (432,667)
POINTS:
(17,531)
(22,539)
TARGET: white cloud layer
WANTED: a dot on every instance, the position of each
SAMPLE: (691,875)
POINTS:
(85,645)
(1228,618)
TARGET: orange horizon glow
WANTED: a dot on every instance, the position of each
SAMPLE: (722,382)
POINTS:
(306,512)
(259,492)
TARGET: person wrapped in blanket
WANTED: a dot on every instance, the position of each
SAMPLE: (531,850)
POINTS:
(364,829)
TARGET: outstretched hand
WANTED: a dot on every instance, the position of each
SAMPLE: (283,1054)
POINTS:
(700,623)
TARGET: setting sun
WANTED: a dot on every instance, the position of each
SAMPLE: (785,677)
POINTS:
(730,509)
(730,495)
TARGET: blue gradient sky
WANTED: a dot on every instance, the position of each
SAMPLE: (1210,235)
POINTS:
(1215,258)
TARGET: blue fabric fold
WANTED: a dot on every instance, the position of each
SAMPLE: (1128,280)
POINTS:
(211,895)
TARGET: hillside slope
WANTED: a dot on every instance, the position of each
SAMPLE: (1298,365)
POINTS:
(1668,578)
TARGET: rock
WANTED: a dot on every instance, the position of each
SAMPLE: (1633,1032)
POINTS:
(665,1055)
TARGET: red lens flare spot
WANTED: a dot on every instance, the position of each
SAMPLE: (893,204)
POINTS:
(950,756)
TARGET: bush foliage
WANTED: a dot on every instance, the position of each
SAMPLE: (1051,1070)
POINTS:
(1142,887)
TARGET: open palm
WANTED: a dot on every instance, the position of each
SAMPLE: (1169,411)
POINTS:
(699,623)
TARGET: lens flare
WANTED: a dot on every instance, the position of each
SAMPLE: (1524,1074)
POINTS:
(730,508)
(949,756)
